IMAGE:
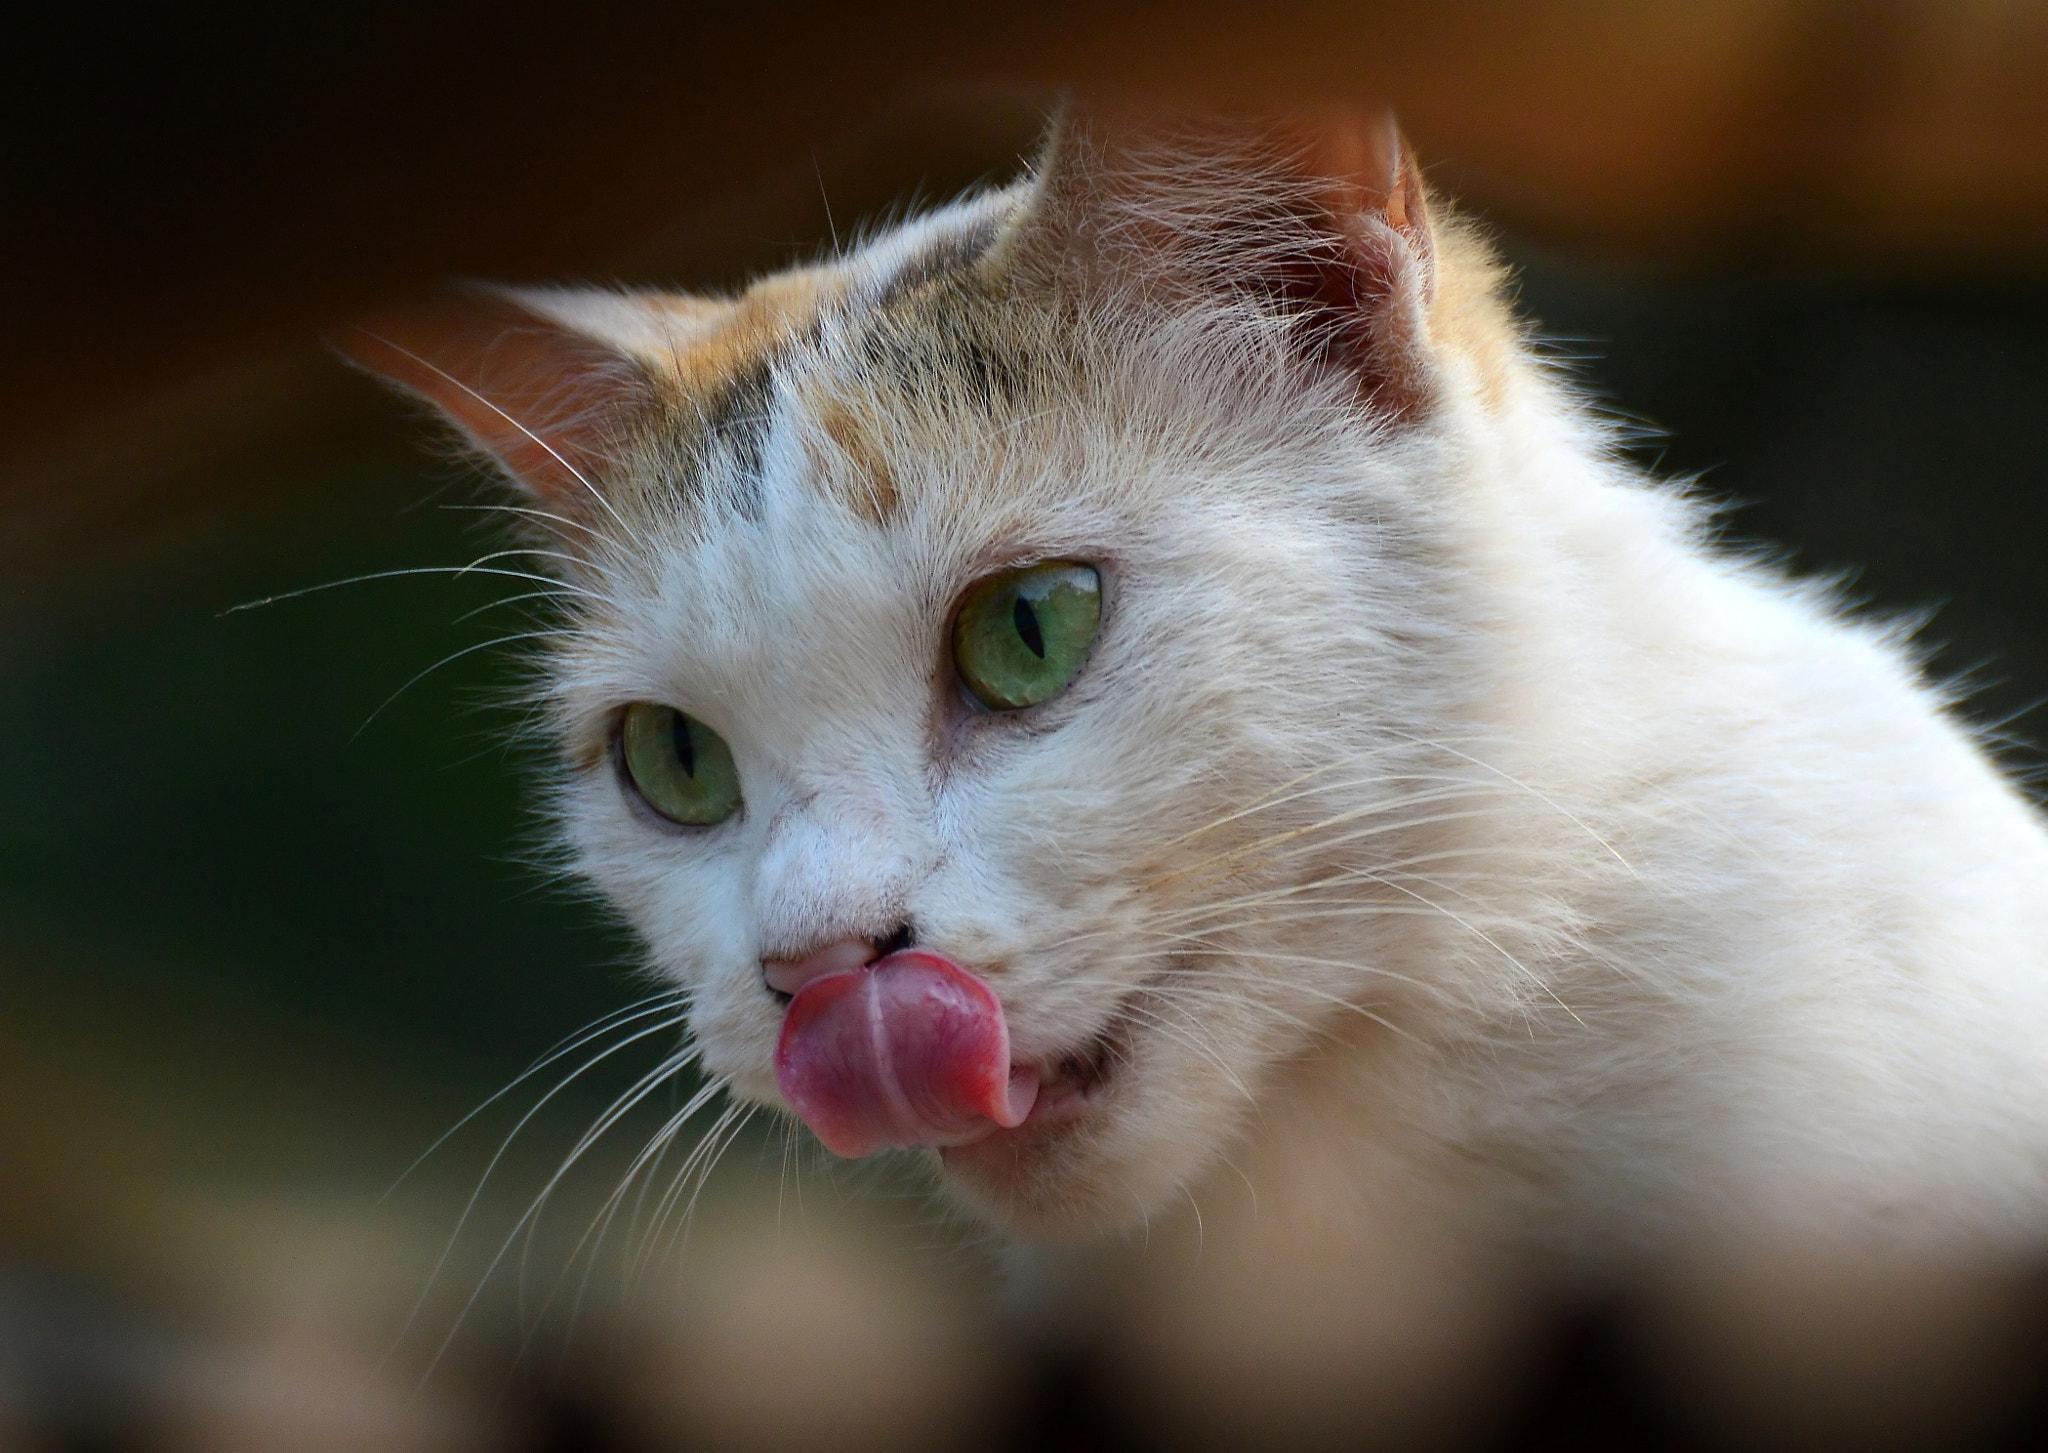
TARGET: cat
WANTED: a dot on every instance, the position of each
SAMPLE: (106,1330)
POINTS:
(1145,683)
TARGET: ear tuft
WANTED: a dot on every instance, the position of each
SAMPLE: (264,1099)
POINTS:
(554,406)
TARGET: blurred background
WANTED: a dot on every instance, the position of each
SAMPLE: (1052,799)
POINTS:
(270,916)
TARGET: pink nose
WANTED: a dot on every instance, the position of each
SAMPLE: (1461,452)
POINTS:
(788,976)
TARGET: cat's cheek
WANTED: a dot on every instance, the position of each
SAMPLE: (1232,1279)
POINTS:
(734,1026)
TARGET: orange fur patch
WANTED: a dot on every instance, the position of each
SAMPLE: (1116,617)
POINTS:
(722,338)
(1469,315)
(868,485)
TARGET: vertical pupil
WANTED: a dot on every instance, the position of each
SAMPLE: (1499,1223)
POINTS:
(686,752)
(1026,620)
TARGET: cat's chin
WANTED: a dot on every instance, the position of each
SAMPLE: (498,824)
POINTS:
(1034,1181)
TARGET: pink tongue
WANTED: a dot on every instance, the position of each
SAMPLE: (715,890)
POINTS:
(911,1050)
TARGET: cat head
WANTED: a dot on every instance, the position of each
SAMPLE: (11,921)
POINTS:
(1056,584)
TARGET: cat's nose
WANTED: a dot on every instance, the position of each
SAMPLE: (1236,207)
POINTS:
(788,975)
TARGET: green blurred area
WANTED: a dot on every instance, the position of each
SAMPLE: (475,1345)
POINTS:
(283,943)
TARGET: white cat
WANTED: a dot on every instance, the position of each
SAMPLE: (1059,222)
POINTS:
(1143,679)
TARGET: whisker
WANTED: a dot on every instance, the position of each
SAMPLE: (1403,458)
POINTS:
(1207,948)
(519,1227)
(1432,908)
(706,1158)
(1196,1043)
(548,516)
(1169,989)
(621,1106)
(600,1225)
(674,1191)
(1352,814)
(469,1207)
(1537,793)
(1493,944)
(1280,796)
(448,660)
(411,570)
(1374,830)
(711,1165)
(553,453)
(517,599)
(597,1029)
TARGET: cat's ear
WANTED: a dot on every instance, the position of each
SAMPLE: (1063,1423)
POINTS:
(551,386)
(1320,217)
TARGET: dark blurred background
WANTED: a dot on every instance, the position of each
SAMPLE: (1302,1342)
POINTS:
(255,955)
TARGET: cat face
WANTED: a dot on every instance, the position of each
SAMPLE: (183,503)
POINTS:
(773,511)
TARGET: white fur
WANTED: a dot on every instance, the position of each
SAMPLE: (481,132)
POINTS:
(1600,891)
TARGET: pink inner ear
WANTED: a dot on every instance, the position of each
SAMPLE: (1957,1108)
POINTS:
(1370,171)
(1320,211)
(551,405)
(1372,206)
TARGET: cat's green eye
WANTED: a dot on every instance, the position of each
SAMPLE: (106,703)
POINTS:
(679,766)
(1021,636)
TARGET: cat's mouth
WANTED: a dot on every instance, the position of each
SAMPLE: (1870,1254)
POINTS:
(1070,1087)
(912,1049)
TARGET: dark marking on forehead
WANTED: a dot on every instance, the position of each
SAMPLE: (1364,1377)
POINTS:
(951,343)
(992,378)
(736,421)
(724,363)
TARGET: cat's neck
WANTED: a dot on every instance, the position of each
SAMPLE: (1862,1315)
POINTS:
(1740,862)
